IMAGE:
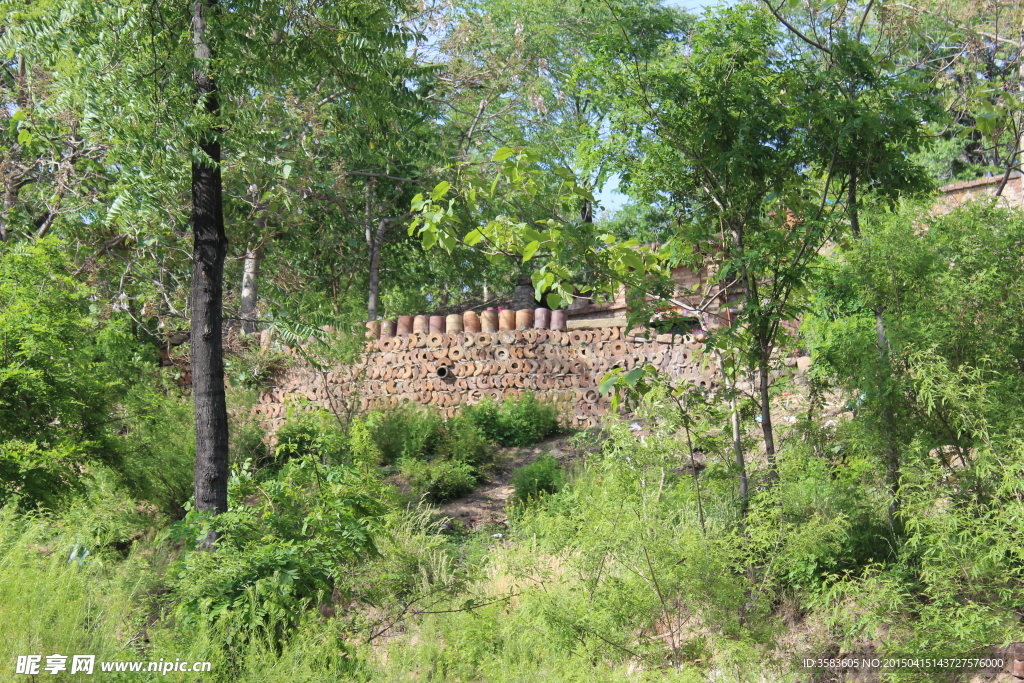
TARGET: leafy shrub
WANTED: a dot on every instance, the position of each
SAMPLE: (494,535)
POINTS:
(281,544)
(159,448)
(542,476)
(440,479)
(521,422)
(312,435)
(62,371)
(413,432)
(255,365)
(458,439)
(403,432)
(363,449)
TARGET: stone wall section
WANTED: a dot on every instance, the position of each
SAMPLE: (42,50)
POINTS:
(956,194)
(452,370)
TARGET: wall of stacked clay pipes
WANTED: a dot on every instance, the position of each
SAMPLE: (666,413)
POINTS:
(455,360)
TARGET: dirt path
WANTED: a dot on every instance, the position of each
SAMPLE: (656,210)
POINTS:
(486,505)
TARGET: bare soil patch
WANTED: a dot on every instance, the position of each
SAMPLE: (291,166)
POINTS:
(486,505)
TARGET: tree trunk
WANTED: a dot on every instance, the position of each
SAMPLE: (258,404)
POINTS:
(376,243)
(767,430)
(523,295)
(737,436)
(250,287)
(734,422)
(852,201)
(13,181)
(760,330)
(208,252)
(892,457)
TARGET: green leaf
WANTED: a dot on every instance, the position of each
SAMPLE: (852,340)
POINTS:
(440,189)
(503,153)
(473,237)
(554,300)
(632,260)
(531,234)
(633,376)
(530,250)
(286,171)
(608,382)
(584,192)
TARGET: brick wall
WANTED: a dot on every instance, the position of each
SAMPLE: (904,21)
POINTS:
(563,367)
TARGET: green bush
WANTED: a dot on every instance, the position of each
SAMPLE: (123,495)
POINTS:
(63,370)
(458,439)
(317,434)
(542,476)
(282,542)
(440,479)
(403,432)
(521,422)
(413,432)
(160,449)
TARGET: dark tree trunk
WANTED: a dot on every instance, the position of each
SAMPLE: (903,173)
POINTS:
(208,252)
(523,296)
(767,429)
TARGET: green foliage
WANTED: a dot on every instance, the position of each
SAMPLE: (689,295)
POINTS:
(541,477)
(315,434)
(280,548)
(749,148)
(521,422)
(947,296)
(403,432)
(62,373)
(251,368)
(440,479)
(52,604)
(459,438)
(159,447)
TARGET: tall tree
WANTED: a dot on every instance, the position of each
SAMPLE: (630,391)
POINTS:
(156,104)
(210,246)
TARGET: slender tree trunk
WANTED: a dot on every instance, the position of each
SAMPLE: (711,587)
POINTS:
(376,244)
(737,434)
(9,199)
(208,252)
(767,430)
(737,438)
(892,457)
(764,349)
(251,287)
